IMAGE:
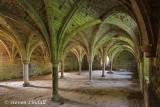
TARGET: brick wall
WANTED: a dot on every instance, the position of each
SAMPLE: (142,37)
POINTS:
(125,61)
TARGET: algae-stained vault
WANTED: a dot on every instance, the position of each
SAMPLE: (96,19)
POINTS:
(46,31)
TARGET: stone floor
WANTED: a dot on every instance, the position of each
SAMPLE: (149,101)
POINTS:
(120,89)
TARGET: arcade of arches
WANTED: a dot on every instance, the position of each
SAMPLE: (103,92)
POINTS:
(52,36)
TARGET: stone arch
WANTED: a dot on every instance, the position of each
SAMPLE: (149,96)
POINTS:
(71,64)
(143,22)
(118,9)
(118,44)
(118,20)
(6,48)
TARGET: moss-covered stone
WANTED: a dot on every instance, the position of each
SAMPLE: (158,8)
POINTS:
(40,69)
(125,61)
(71,63)
(10,71)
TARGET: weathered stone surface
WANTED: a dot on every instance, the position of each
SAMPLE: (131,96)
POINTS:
(43,31)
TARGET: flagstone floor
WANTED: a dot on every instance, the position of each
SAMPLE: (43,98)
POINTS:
(120,89)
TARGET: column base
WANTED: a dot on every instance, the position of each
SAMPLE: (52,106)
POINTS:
(56,97)
(110,72)
(62,77)
(90,80)
(79,73)
(103,76)
(26,84)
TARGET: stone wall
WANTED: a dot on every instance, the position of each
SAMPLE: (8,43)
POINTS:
(154,86)
(154,80)
(12,70)
(125,61)
(39,68)
(85,63)
(9,70)
(37,65)
(71,63)
(96,64)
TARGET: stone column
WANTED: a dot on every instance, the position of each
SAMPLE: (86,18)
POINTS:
(80,67)
(111,64)
(90,69)
(110,72)
(154,82)
(141,75)
(25,74)
(55,93)
(62,69)
(103,69)
(146,68)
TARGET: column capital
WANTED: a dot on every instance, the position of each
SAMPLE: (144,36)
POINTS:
(62,60)
(80,61)
(140,59)
(146,48)
(103,59)
(25,62)
(90,61)
(56,61)
(149,50)
(151,54)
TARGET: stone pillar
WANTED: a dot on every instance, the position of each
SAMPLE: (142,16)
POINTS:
(154,82)
(110,72)
(146,67)
(62,69)
(111,64)
(103,69)
(25,74)
(141,75)
(145,70)
(146,96)
(80,67)
(56,95)
(90,69)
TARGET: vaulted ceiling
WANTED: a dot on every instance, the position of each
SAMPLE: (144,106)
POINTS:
(97,26)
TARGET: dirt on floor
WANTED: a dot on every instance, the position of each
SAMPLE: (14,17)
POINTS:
(120,89)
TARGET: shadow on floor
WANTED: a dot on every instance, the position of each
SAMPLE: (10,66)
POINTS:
(40,87)
(8,87)
(71,102)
